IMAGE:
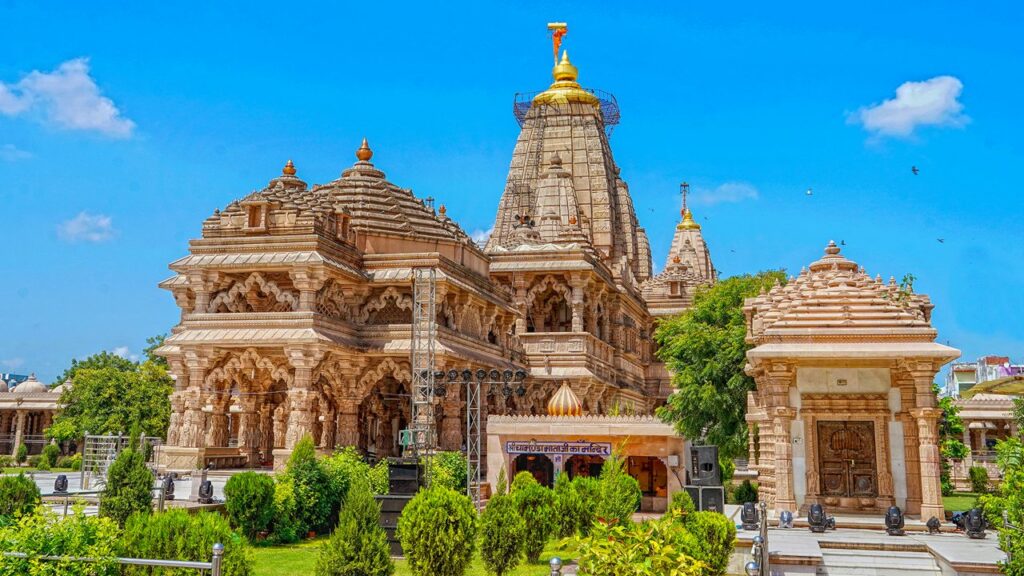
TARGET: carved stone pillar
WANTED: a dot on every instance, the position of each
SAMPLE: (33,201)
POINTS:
(19,431)
(217,435)
(193,420)
(785,498)
(519,300)
(328,429)
(308,283)
(931,485)
(969,459)
(577,304)
(300,401)
(174,425)
(249,429)
(347,431)
(451,424)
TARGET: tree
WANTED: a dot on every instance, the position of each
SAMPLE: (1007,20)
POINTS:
(437,530)
(249,500)
(1018,412)
(152,343)
(619,493)
(312,485)
(111,396)
(536,504)
(951,445)
(96,362)
(503,534)
(129,487)
(358,546)
(705,350)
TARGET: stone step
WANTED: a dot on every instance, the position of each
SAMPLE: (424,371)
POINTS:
(877,563)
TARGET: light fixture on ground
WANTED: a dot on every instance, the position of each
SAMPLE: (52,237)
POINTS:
(974,524)
(816,519)
(934,525)
(60,485)
(894,521)
(749,517)
(785,519)
(168,487)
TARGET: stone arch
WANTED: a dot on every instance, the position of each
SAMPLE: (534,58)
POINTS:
(388,307)
(245,296)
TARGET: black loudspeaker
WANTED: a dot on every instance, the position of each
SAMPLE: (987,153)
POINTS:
(704,469)
(712,499)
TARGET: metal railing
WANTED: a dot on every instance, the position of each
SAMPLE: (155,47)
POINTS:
(214,566)
(759,564)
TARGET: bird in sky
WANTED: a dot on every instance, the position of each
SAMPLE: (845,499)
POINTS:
(941,240)
(914,170)
(842,242)
(810,192)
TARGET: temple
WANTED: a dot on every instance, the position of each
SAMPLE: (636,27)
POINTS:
(844,413)
(297,307)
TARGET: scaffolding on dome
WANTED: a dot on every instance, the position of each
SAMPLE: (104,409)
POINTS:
(523,101)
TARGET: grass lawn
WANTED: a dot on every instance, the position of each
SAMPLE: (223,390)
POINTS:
(15,470)
(959,501)
(299,559)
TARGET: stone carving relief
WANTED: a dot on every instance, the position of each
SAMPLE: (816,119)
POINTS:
(254,294)
(388,307)
(331,301)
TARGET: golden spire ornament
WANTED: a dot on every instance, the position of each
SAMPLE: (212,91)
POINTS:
(364,153)
(289,169)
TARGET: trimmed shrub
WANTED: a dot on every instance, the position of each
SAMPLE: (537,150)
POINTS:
(619,493)
(19,496)
(652,548)
(179,535)
(380,477)
(682,504)
(437,530)
(979,479)
(73,462)
(129,487)
(314,497)
(522,480)
(76,535)
(358,546)
(33,461)
(6,461)
(286,527)
(50,454)
(21,454)
(715,536)
(503,534)
(536,504)
(589,490)
(249,500)
(573,513)
(745,492)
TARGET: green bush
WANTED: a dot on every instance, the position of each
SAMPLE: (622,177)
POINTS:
(73,462)
(715,536)
(19,496)
(249,500)
(33,461)
(1010,457)
(6,461)
(652,548)
(358,546)
(522,480)
(503,534)
(286,527)
(43,533)
(21,454)
(681,504)
(437,530)
(979,479)
(745,492)
(50,454)
(380,477)
(574,512)
(589,490)
(448,469)
(619,496)
(129,487)
(314,495)
(536,504)
(40,463)
(179,535)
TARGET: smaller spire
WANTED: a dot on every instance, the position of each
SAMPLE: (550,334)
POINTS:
(832,249)
(289,169)
(442,211)
(364,153)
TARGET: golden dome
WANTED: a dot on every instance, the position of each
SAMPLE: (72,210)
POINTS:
(566,89)
(688,222)
(565,402)
(289,169)
(364,153)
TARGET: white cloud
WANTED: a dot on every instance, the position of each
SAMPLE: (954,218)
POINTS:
(125,353)
(11,153)
(87,227)
(480,236)
(68,98)
(933,102)
(12,363)
(729,192)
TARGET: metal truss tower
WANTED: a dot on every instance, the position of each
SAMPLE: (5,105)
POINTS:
(422,425)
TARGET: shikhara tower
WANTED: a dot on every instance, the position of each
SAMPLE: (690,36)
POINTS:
(296,303)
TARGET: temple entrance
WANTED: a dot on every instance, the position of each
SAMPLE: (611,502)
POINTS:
(539,465)
(584,466)
(846,459)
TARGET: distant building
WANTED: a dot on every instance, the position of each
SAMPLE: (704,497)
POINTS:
(964,375)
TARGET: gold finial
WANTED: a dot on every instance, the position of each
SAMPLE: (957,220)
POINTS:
(364,153)
(558,30)
(564,71)
(565,88)
(289,169)
(688,222)
(442,211)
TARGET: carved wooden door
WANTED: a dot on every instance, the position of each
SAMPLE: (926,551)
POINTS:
(846,459)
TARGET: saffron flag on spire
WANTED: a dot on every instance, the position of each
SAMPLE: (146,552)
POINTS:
(558,30)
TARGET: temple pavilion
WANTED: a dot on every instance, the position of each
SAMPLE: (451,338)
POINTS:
(296,307)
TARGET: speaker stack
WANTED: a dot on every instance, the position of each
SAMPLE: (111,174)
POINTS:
(705,474)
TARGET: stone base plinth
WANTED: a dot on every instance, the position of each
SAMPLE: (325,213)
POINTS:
(281,456)
(179,459)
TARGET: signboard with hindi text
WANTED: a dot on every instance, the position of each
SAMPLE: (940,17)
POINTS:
(555,447)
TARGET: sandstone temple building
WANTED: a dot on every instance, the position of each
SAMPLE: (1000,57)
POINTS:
(296,303)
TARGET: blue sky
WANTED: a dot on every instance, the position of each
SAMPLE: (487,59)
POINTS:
(123,126)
